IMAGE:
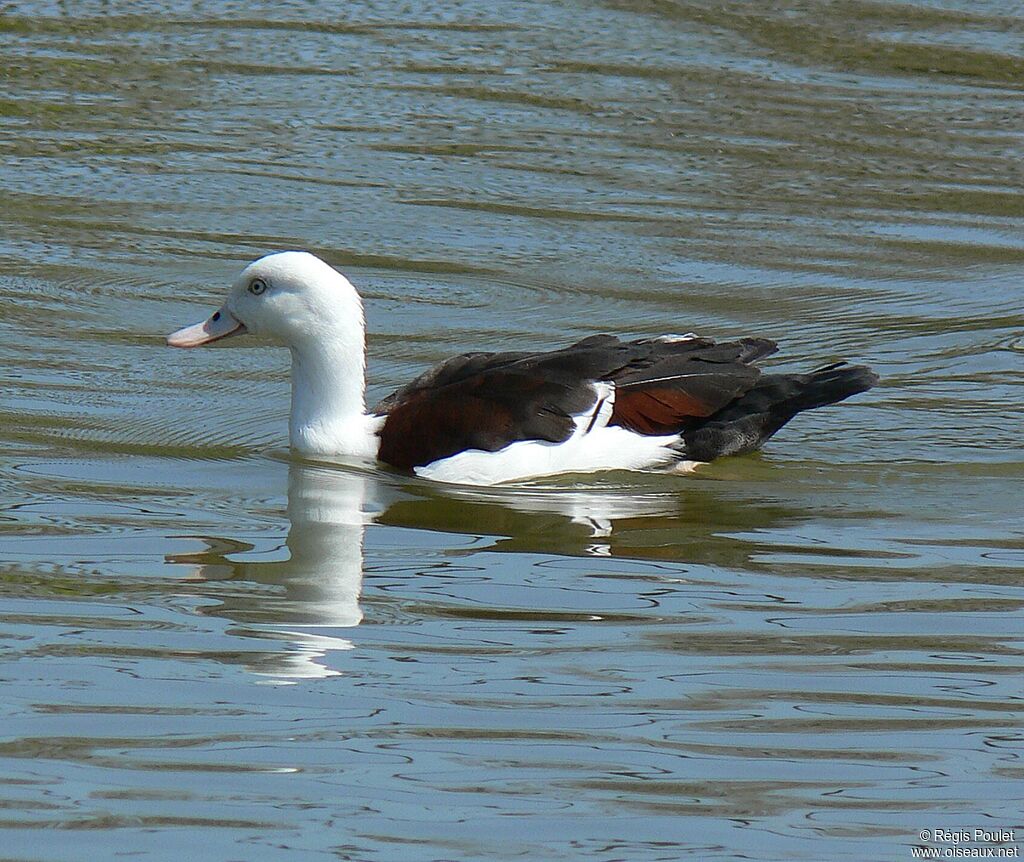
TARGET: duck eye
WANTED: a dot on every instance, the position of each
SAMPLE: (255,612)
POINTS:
(257,286)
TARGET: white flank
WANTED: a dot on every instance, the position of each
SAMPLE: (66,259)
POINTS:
(594,446)
(672,338)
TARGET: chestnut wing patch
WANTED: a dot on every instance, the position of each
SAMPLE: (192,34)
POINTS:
(668,405)
(672,394)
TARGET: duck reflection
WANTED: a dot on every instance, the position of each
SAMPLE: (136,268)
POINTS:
(316,576)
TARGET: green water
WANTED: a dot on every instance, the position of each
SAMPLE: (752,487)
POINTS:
(208,651)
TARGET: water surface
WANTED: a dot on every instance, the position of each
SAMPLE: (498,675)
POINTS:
(212,650)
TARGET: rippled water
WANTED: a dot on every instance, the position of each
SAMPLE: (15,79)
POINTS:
(210,651)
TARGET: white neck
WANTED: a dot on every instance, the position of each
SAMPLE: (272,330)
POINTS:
(328,415)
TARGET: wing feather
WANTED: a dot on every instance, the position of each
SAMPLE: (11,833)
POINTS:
(489,400)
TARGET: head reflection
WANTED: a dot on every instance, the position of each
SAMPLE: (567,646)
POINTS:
(319,569)
(313,581)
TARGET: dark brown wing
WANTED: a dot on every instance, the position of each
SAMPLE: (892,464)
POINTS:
(489,400)
(485,411)
(449,371)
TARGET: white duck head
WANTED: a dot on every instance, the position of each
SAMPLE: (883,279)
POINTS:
(295,299)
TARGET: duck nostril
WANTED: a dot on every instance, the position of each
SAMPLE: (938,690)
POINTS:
(216,317)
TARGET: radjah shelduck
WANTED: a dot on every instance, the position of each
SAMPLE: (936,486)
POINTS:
(485,418)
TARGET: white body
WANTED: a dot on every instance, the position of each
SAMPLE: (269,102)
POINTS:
(298,300)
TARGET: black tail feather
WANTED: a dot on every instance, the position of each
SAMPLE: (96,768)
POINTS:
(826,386)
(747,423)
